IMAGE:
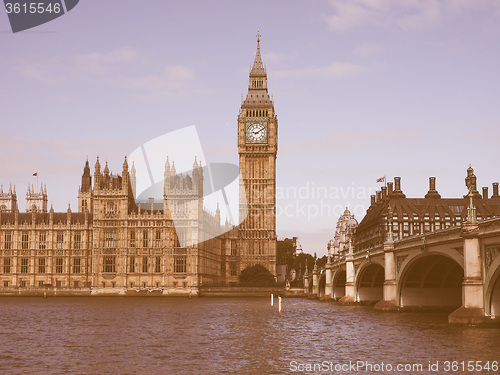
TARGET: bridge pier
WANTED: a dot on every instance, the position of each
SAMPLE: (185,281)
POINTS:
(328,283)
(315,283)
(306,283)
(472,310)
(390,286)
(350,296)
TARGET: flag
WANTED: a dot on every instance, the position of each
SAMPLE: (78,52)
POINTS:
(35,174)
(381,179)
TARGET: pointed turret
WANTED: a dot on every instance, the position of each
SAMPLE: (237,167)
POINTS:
(257,102)
(167,164)
(106,169)
(132,178)
(258,77)
(217,213)
(97,174)
(86,178)
(97,166)
(258,69)
(125,165)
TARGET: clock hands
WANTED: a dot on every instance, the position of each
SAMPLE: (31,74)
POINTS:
(256,132)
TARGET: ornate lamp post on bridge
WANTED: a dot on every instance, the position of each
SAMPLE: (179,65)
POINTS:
(390,285)
(472,309)
(328,275)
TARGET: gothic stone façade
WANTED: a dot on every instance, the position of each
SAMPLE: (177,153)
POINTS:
(115,245)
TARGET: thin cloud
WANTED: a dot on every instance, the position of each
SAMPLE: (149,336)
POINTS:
(334,70)
(170,80)
(348,141)
(119,67)
(367,50)
(407,14)
(275,58)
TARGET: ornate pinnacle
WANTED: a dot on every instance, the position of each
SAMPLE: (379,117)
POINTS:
(471,210)
(390,235)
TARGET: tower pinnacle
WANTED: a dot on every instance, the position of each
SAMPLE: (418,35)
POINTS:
(258,69)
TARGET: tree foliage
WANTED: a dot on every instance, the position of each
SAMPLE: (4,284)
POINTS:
(286,255)
(256,275)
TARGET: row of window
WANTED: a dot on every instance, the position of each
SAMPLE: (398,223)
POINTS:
(109,264)
(418,227)
(42,240)
(135,241)
(144,284)
(258,84)
(77,284)
(142,263)
(42,265)
(41,283)
(109,239)
(435,217)
(145,237)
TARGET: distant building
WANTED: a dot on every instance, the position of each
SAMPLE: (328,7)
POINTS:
(8,201)
(298,246)
(412,216)
(346,225)
(36,201)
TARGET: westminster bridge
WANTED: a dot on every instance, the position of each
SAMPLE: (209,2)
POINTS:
(454,267)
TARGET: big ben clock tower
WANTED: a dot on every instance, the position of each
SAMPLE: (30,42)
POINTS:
(257,147)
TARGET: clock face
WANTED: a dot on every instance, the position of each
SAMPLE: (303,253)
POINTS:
(257,133)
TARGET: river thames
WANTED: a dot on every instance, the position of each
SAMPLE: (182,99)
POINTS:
(230,336)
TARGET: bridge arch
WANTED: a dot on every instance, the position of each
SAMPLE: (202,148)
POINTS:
(370,282)
(310,286)
(492,287)
(338,283)
(431,279)
(321,284)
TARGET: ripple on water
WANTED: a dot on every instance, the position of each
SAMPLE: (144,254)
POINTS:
(219,336)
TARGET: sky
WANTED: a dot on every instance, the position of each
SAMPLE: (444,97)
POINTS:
(362,89)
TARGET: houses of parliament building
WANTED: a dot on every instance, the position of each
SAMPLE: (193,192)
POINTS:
(117,245)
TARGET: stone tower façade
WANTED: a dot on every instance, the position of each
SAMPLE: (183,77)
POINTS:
(257,147)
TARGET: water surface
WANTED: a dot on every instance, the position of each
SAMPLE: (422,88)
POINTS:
(78,335)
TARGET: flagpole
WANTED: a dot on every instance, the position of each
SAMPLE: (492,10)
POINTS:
(385,180)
